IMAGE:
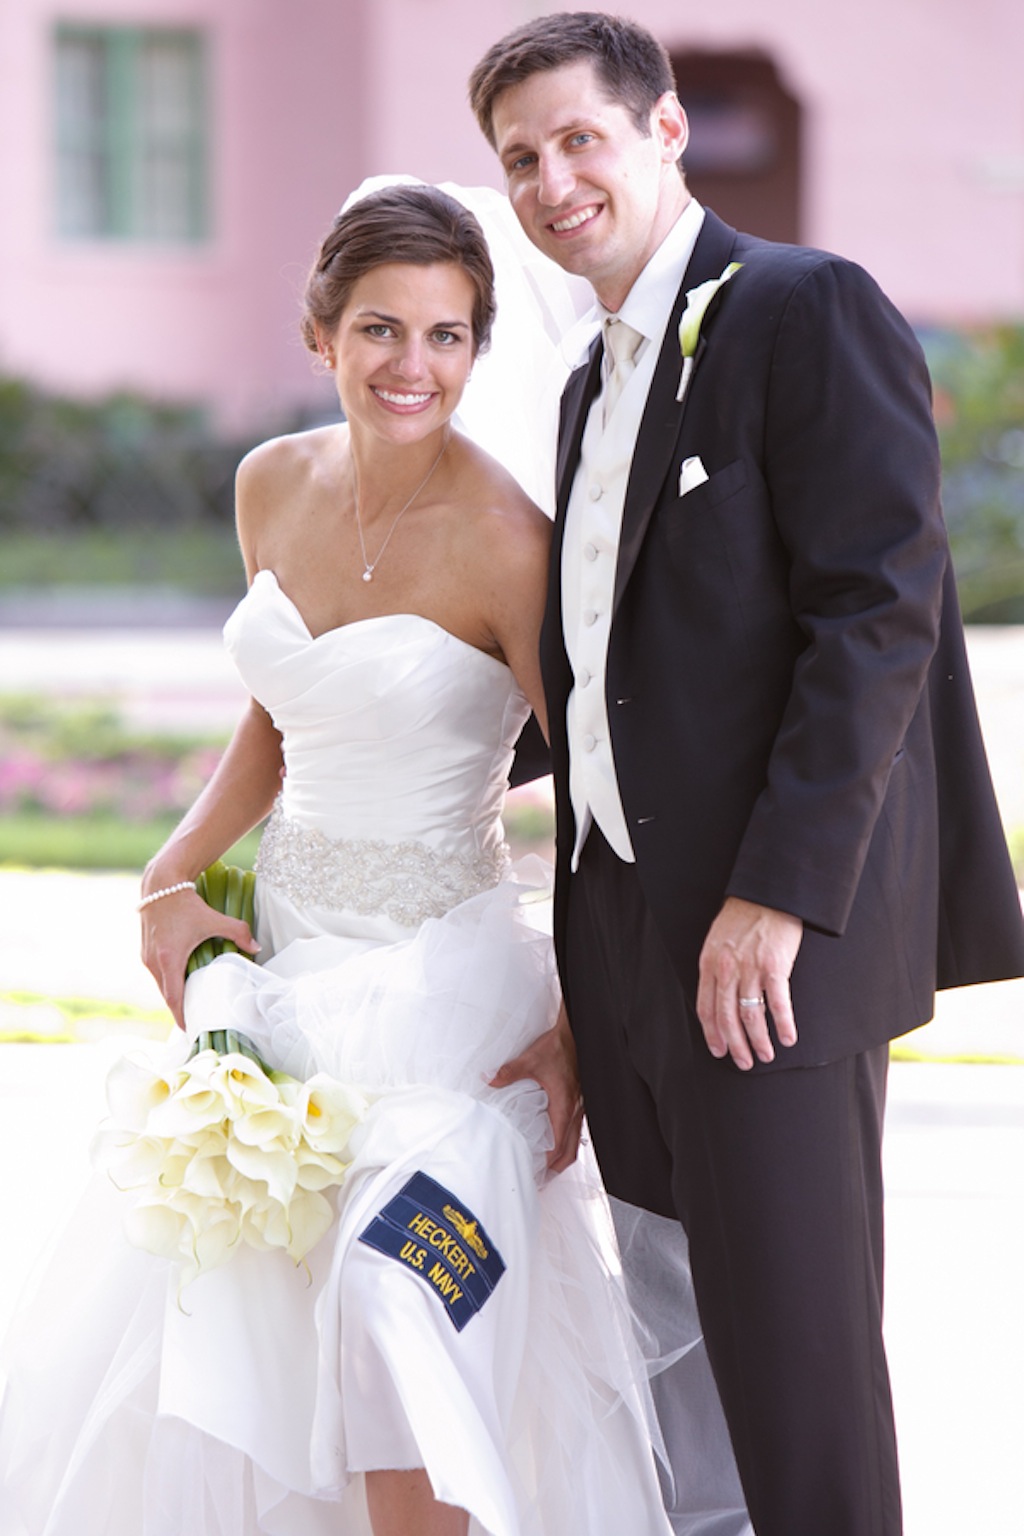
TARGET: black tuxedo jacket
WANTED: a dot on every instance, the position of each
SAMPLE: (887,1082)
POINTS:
(791,714)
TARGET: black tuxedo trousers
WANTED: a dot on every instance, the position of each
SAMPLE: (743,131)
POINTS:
(776,1177)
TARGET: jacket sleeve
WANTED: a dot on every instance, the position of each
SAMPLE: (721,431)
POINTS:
(852,467)
(533,758)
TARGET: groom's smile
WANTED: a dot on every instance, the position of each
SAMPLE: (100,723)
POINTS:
(574,221)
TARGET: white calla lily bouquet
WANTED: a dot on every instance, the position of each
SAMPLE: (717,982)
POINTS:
(220,1150)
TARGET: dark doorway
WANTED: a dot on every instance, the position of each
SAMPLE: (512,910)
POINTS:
(743,158)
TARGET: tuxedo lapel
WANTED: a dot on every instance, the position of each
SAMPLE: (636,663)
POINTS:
(658,436)
(577,399)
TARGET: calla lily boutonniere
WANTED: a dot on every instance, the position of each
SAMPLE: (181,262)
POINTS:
(697,301)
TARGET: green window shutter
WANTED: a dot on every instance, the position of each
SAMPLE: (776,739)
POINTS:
(120,129)
(83,168)
(169,141)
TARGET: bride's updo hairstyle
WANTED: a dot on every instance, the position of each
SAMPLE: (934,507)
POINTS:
(416,225)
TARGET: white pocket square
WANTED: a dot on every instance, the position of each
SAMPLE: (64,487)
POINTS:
(691,474)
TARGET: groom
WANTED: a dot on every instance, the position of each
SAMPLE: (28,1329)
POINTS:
(776,830)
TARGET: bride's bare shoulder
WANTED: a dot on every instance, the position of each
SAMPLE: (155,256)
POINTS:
(274,485)
(506,552)
(500,513)
(290,460)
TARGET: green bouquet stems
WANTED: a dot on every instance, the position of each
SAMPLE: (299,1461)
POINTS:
(232,891)
(226,1042)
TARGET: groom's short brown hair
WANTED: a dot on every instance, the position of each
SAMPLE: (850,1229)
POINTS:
(630,63)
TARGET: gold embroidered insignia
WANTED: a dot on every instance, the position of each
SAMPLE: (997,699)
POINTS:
(467,1230)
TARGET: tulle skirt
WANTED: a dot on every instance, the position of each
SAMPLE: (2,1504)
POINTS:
(253,1400)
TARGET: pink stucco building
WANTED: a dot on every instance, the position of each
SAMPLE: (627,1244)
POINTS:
(166,166)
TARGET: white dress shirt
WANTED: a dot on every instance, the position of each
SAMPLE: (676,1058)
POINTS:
(591,545)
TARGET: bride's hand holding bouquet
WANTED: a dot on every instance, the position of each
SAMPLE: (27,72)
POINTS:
(179,919)
(220,1150)
(238,797)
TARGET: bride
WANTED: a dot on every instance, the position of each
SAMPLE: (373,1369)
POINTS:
(389,639)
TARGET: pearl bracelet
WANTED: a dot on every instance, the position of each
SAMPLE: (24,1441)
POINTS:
(168,890)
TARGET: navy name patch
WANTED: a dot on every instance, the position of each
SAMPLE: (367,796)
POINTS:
(425,1228)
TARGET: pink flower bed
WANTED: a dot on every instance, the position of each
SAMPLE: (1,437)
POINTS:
(138,785)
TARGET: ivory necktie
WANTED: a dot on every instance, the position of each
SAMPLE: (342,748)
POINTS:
(620,346)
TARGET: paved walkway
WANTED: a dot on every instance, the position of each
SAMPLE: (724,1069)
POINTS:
(173,679)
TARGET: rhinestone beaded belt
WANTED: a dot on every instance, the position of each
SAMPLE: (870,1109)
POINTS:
(407,882)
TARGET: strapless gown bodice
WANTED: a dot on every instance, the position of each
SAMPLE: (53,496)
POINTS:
(393,728)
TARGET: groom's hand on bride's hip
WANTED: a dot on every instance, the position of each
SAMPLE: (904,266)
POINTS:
(745,966)
(550,1060)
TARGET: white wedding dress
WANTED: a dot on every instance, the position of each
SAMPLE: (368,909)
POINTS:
(402,954)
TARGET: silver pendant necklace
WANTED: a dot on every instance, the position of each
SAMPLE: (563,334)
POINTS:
(369,566)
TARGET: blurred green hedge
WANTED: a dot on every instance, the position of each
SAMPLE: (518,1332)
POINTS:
(68,465)
(978,378)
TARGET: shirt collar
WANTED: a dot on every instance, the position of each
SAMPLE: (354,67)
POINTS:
(648,303)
